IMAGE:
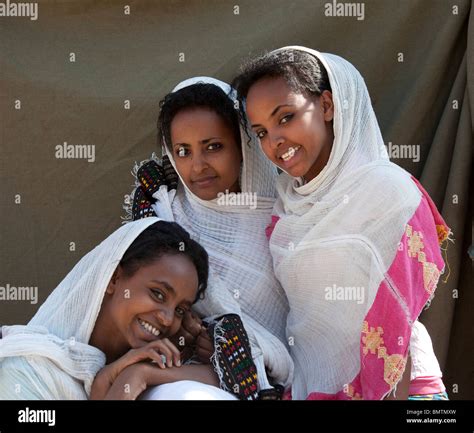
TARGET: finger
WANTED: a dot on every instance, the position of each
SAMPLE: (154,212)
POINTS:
(192,324)
(163,347)
(191,316)
(204,334)
(188,338)
(205,344)
(157,357)
(204,355)
(175,354)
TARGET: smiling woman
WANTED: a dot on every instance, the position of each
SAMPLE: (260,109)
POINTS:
(117,306)
(346,218)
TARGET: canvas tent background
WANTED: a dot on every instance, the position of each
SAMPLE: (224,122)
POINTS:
(54,210)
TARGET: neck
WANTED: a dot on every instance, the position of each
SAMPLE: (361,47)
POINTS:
(320,162)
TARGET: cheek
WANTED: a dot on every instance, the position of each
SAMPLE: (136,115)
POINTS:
(228,164)
(183,169)
(266,148)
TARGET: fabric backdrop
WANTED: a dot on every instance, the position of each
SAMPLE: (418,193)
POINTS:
(92,75)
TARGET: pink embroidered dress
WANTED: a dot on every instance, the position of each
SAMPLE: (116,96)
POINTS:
(357,250)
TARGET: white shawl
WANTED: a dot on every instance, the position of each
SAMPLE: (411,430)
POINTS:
(50,358)
(241,276)
(340,230)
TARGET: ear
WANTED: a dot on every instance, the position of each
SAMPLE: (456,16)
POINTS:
(112,286)
(327,105)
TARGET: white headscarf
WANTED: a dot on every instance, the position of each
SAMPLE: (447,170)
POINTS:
(341,229)
(241,277)
(50,358)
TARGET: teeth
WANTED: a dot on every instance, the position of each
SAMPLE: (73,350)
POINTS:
(290,153)
(150,328)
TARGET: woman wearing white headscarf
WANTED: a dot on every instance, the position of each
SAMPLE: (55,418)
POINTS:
(354,239)
(105,307)
(224,198)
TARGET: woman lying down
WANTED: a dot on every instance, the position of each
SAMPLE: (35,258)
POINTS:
(104,332)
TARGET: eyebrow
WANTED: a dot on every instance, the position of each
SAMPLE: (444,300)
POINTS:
(166,285)
(205,141)
(171,289)
(275,111)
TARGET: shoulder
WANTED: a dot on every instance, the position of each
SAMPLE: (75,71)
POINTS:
(387,185)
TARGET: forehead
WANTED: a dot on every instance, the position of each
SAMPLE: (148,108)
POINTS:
(199,123)
(176,270)
(269,92)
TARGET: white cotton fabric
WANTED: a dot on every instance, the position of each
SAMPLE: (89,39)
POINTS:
(241,276)
(423,359)
(50,357)
(341,229)
(186,390)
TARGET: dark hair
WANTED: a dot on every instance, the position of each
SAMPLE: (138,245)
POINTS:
(303,72)
(199,95)
(163,238)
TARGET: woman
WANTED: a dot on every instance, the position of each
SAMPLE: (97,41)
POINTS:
(117,306)
(224,198)
(354,237)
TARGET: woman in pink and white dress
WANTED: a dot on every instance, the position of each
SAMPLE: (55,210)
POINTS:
(355,239)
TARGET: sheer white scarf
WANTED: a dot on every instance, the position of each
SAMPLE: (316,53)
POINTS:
(241,278)
(50,358)
(340,230)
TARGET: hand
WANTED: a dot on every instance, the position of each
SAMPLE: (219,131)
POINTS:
(204,347)
(151,352)
(186,337)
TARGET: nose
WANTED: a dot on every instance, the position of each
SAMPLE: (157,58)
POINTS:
(276,140)
(198,162)
(165,317)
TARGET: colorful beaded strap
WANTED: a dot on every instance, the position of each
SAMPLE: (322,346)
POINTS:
(232,357)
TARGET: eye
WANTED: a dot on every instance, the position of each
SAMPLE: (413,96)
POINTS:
(180,311)
(182,152)
(286,119)
(158,295)
(214,146)
(261,133)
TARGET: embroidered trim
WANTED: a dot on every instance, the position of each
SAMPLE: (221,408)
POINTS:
(431,272)
(394,365)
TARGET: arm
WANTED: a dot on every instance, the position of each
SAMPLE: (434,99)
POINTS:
(136,378)
(152,351)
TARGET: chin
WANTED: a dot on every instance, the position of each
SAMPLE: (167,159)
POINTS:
(206,195)
(296,172)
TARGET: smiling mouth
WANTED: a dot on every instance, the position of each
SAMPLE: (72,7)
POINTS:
(148,327)
(290,153)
